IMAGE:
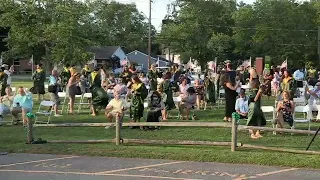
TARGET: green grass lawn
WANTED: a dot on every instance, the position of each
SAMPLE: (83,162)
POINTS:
(13,139)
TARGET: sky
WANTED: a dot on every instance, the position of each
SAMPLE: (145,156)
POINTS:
(159,9)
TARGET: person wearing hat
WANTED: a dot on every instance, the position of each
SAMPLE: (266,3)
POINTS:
(39,77)
(152,76)
(86,71)
(3,81)
(99,96)
(8,73)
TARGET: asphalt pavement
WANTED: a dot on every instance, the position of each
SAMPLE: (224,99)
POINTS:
(49,167)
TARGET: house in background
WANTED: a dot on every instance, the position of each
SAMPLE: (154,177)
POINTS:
(109,55)
(141,59)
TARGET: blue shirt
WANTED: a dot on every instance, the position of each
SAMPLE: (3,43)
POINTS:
(24,102)
(298,75)
(242,105)
(52,80)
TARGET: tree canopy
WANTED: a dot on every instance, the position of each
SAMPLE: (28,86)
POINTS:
(63,30)
(281,29)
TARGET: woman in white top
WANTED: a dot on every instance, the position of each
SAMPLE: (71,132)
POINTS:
(183,87)
(5,103)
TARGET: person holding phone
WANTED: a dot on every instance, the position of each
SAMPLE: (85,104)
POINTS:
(285,110)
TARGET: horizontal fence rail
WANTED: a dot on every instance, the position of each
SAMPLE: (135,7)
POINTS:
(118,140)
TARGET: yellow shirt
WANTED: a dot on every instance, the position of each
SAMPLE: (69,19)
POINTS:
(117,105)
(72,70)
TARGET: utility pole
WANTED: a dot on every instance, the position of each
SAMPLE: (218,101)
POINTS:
(149,44)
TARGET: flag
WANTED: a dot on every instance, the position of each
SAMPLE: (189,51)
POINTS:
(284,64)
(213,65)
(31,61)
(124,62)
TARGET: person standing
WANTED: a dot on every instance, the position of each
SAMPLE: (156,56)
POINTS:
(99,96)
(39,77)
(230,96)
(166,88)
(299,76)
(86,71)
(152,76)
(8,73)
(65,76)
(255,114)
(72,90)
(53,89)
(139,94)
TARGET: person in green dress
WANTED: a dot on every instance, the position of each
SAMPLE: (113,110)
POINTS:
(139,93)
(166,87)
(65,76)
(3,81)
(209,88)
(39,77)
(99,96)
(255,114)
(152,76)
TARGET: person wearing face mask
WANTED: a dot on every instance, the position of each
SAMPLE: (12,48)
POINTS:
(242,106)
(115,108)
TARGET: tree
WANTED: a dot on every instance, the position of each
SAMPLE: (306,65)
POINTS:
(194,29)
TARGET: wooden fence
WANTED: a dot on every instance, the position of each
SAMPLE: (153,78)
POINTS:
(118,140)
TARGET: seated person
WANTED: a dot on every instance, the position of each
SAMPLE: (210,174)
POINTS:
(5,103)
(111,82)
(115,108)
(22,103)
(143,79)
(156,105)
(285,110)
(242,106)
(183,87)
(187,102)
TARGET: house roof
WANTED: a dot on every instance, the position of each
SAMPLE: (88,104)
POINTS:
(153,56)
(104,52)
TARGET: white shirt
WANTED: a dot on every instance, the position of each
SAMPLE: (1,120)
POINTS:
(298,75)
(242,105)
(9,76)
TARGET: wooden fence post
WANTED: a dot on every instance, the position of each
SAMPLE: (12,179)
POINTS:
(234,132)
(118,127)
(29,131)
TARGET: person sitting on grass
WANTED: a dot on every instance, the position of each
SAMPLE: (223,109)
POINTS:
(115,108)
(187,102)
(5,103)
(285,110)
(242,106)
(22,103)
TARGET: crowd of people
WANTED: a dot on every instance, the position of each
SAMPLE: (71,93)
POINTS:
(164,91)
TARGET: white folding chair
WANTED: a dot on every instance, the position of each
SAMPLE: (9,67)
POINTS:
(85,96)
(270,109)
(45,112)
(221,97)
(300,101)
(306,119)
(63,95)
